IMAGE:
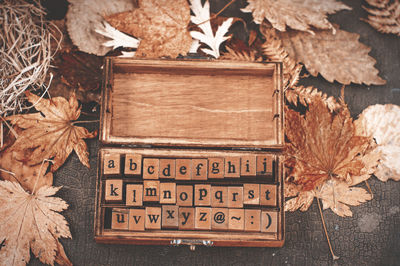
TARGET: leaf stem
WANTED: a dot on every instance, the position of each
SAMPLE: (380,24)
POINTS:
(369,188)
(87,121)
(216,15)
(334,257)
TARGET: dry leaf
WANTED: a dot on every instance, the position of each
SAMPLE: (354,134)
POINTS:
(339,56)
(85,16)
(30,222)
(117,38)
(307,95)
(382,123)
(202,19)
(297,14)
(50,133)
(60,32)
(240,55)
(160,25)
(323,148)
(274,51)
(384,16)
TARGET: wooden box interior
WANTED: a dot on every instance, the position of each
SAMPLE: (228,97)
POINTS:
(191,109)
(192,103)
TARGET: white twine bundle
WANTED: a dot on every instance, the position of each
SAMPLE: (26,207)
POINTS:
(25,52)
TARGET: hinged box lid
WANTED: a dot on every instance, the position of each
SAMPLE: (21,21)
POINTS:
(192,103)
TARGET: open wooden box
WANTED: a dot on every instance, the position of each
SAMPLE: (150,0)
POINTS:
(188,110)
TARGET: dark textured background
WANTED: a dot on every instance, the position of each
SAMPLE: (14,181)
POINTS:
(370,237)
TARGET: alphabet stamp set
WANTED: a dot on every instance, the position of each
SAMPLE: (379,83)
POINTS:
(191,153)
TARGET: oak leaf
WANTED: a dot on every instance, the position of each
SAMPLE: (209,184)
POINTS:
(202,18)
(323,147)
(338,56)
(384,16)
(297,14)
(160,25)
(50,133)
(30,221)
(86,16)
(382,123)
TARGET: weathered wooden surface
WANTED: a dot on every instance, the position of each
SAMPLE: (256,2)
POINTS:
(370,237)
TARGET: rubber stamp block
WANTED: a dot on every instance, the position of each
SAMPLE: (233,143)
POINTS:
(199,169)
(219,196)
(232,167)
(186,218)
(236,219)
(216,168)
(235,197)
(268,195)
(113,191)
(183,169)
(133,165)
(151,168)
(134,195)
(248,166)
(111,164)
(184,195)
(119,219)
(252,220)
(269,221)
(202,195)
(151,190)
(170,216)
(167,168)
(264,164)
(202,218)
(136,219)
(219,218)
(251,194)
(167,193)
(153,218)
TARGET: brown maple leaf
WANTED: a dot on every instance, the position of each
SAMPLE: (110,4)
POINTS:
(297,14)
(338,56)
(30,221)
(51,133)
(161,26)
(323,149)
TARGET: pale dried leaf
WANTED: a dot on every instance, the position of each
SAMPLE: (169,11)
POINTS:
(202,19)
(384,16)
(274,51)
(116,38)
(337,195)
(382,123)
(30,222)
(160,26)
(302,201)
(85,16)
(306,96)
(297,14)
(50,133)
(339,56)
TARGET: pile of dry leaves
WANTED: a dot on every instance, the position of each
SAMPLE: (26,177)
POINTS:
(328,154)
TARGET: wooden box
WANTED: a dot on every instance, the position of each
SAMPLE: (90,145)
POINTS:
(191,153)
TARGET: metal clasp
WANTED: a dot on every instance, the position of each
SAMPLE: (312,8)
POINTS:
(192,243)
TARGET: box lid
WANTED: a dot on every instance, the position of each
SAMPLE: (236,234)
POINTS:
(192,103)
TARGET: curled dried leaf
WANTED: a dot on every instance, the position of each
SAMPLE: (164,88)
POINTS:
(381,123)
